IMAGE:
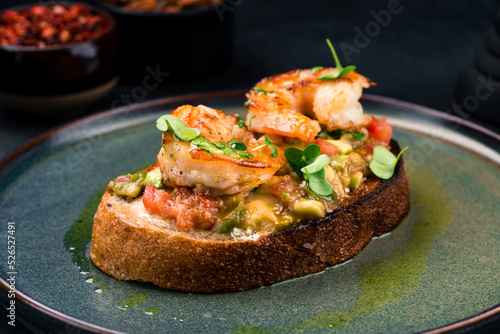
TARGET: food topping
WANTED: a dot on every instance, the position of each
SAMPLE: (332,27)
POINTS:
(311,165)
(43,25)
(339,70)
(188,209)
(380,129)
(154,177)
(300,103)
(270,144)
(128,185)
(212,159)
(330,148)
(222,175)
(316,178)
(384,162)
(309,208)
(312,179)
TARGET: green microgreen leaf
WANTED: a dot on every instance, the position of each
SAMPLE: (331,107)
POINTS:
(312,151)
(241,122)
(242,148)
(227,150)
(332,75)
(247,103)
(270,144)
(161,123)
(328,76)
(319,164)
(187,133)
(358,135)
(220,148)
(346,71)
(294,155)
(306,175)
(302,163)
(384,162)
(274,149)
(260,90)
(339,70)
(317,182)
(206,145)
(170,122)
(311,165)
(316,69)
(245,154)
(238,145)
(332,49)
(298,157)
(250,121)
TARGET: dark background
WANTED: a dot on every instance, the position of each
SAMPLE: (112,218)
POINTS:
(417,57)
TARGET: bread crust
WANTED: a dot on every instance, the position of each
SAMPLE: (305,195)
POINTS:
(127,246)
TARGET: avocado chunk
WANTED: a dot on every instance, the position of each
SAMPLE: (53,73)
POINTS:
(356,179)
(128,185)
(309,208)
(154,178)
(344,148)
(339,162)
(285,222)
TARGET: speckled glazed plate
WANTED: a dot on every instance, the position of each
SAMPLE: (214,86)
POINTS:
(439,271)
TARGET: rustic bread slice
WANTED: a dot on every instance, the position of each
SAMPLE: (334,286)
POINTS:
(130,244)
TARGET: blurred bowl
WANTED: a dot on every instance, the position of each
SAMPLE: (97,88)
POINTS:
(187,44)
(59,81)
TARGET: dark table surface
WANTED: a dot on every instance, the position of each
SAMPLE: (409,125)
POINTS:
(416,57)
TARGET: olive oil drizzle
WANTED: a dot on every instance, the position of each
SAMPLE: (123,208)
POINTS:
(76,241)
(133,300)
(80,234)
(381,282)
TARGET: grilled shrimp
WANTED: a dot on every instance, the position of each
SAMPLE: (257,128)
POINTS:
(183,163)
(297,103)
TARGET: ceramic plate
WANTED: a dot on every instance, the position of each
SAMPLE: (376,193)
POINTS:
(438,271)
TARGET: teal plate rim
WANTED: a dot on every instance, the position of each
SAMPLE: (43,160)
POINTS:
(471,129)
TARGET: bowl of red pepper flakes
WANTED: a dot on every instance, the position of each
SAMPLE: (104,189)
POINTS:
(56,58)
(188,39)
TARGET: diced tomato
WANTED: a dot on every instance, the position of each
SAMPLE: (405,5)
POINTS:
(187,219)
(194,217)
(380,129)
(190,210)
(326,147)
(155,200)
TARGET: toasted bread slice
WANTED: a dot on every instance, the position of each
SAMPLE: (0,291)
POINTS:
(130,244)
